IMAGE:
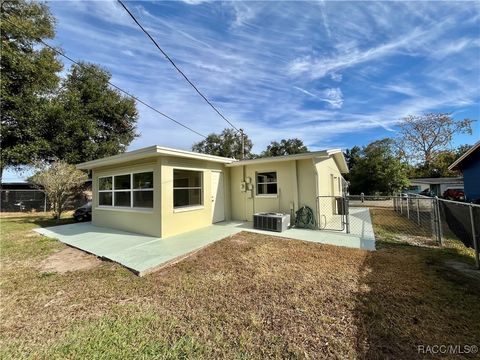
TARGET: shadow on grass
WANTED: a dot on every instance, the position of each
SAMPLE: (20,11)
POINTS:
(408,297)
(42,220)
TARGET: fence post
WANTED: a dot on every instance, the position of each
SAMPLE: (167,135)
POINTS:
(474,238)
(432,216)
(408,206)
(347,214)
(401,204)
(44,202)
(439,222)
(418,210)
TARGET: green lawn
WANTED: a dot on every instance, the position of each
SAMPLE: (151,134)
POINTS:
(249,296)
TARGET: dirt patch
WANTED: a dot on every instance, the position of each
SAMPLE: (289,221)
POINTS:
(69,259)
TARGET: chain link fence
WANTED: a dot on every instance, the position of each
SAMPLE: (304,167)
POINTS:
(412,218)
(12,200)
(28,200)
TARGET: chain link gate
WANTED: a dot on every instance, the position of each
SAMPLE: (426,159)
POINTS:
(332,213)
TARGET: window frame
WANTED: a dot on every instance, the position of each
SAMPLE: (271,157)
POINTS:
(268,195)
(201,187)
(131,190)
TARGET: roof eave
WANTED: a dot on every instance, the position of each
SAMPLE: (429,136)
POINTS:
(457,162)
(148,152)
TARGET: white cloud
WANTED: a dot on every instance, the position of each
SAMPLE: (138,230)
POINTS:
(240,62)
(336,77)
(333,97)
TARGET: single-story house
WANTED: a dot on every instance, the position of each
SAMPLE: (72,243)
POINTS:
(436,185)
(161,192)
(469,165)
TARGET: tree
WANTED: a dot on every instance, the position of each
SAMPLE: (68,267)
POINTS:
(285,147)
(352,156)
(227,144)
(87,119)
(424,137)
(439,166)
(81,120)
(29,76)
(378,169)
(60,182)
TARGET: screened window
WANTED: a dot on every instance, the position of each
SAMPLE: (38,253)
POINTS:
(187,188)
(133,190)
(267,183)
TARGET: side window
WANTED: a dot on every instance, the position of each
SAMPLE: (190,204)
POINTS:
(187,188)
(267,183)
(134,190)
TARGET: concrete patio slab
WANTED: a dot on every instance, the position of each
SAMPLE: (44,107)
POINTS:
(144,254)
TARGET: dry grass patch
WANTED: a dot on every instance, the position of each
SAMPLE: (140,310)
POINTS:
(249,296)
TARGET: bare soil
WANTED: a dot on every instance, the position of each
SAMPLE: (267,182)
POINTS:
(69,259)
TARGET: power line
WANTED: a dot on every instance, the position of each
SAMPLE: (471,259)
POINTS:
(176,67)
(115,86)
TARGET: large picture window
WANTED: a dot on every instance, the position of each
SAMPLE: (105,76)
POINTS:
(187,188)
(134,190)
(267,183)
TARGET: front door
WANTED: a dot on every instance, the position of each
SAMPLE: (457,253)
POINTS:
(218,197)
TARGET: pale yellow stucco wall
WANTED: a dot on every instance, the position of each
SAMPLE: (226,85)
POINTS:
(178,221)
(299,182)
(296,183)
(139,221)
(163,220)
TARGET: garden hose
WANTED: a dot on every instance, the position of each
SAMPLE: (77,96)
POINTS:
(305,218)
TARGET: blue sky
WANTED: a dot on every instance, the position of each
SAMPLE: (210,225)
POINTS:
(334,74)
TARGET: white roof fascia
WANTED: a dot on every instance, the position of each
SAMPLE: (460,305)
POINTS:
(147,152)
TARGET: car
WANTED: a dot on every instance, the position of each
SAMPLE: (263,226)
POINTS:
(456,194)
(427,192)
(83,213)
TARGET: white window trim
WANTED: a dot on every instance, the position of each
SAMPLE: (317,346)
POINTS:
(188,208)
(267,196)
(265,183)
(202,192)
(131,190)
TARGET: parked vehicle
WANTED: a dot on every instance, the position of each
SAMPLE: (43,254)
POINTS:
(427,192)
(454,194)
(83,213)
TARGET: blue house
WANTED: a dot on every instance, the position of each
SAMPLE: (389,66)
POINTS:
(469,165)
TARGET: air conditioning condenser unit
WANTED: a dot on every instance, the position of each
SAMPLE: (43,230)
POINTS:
(271,221)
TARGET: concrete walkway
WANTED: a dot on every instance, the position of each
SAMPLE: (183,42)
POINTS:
(144,254)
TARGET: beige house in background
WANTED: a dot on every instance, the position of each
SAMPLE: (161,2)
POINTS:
(161,192)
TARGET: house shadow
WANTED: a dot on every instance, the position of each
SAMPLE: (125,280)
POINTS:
(405,300)
(41,221)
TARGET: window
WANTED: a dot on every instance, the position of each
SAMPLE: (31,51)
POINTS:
(122,193)
(267,183)
(126,190)
(187,188)
(105,193)
(143,190)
